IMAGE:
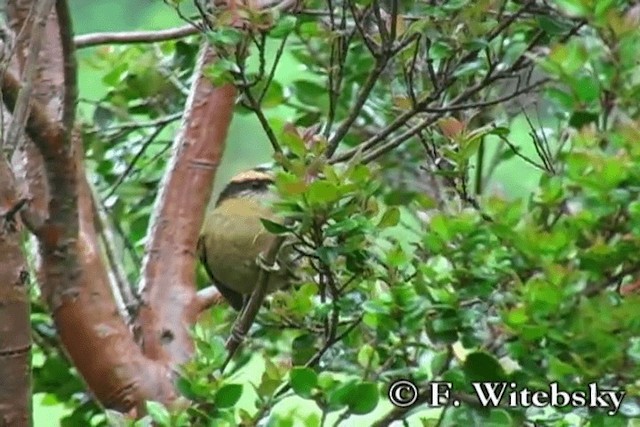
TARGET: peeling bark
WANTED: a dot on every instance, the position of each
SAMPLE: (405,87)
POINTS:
(73,277)
(72,273)
(169,301)
(15,327)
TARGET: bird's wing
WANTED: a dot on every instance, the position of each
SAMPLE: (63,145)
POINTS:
(233,298)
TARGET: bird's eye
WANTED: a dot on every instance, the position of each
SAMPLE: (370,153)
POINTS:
(256,185)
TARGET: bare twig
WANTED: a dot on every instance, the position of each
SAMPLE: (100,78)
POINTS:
(274,67)
(454,105)
(145,145)
(354,112)
(116,268)
(313,361)
(126,126)
(195,27)
(130,37)
(254,106)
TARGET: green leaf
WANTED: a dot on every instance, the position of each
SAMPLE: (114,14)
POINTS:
(481,366)
(322,193)
(561,97)
(340,396)
(391,218)
(283,28)
(440,50)
(311,93)
(558,369)
(214,349)
(574,7)
(516,316)
(440,361)
(303,348)
(363,398)
(303,381)
(368,357)
(289,184)
(159,413)
(274,96)
(116,419)
(581,118)
(271,379)
(498,418)
(227,36)
(551,26)
(586,88)
(218,73)
(602,7)
(274,227)
(228,395)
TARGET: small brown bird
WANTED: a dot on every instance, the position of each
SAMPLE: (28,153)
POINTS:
(233,237)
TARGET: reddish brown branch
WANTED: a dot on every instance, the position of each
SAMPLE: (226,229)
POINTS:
(73,277)
(169,301)
(69,66)
(38,126)
(15,327)
(23,97)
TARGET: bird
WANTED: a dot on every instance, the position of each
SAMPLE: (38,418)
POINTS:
(233,237)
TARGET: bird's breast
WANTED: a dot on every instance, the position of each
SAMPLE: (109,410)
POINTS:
(234,239)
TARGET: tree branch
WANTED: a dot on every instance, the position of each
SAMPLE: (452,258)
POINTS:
(130,37)
(208,297)
(23,98)
(169,301)
(69,67)
(73,277)
(15,332)
(37,126)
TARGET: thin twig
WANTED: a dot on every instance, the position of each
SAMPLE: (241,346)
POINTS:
(135,159)
(125,126)
(274,67)
(455,105)
(363,95)
(116,268)
(208,297)
(516,151)
(318,355)
(130,37)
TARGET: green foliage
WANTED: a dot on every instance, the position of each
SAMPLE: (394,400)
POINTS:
(401,278)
